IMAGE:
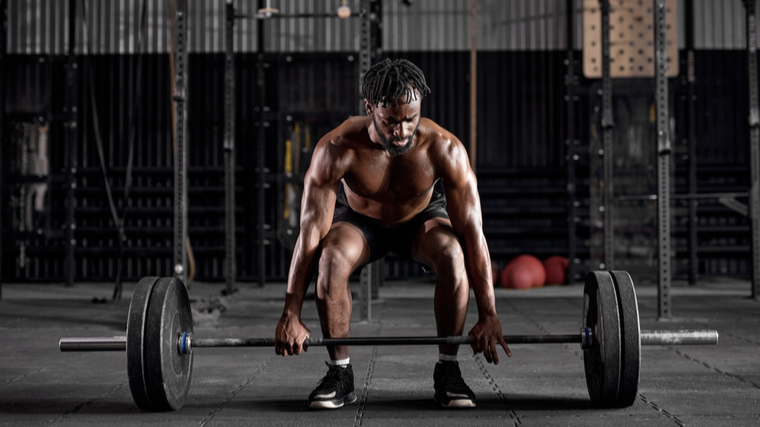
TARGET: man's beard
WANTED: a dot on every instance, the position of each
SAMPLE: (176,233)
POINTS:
(390,147)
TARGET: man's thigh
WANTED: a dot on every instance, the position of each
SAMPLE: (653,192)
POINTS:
(346,243)
(435,237)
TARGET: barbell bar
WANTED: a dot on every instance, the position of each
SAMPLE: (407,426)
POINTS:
(186,342)
(159,341)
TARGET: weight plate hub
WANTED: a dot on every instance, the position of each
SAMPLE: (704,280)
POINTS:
(602,360)
(169,373)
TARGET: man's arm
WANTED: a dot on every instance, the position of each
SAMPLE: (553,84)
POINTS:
(464,211)
(317,206)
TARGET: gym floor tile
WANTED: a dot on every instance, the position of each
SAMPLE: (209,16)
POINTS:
(541,385)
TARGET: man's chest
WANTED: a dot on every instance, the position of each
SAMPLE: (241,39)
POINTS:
(380,177)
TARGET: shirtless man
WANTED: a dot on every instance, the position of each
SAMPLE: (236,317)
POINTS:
(387,165)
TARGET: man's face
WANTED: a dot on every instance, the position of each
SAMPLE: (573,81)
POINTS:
(396,125)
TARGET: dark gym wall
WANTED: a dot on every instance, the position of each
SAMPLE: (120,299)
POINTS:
(318,90)
(521,126)
(723,165)
(521,123)
(519,92)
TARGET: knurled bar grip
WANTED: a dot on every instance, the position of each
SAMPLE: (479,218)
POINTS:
(366,341)
(682,337)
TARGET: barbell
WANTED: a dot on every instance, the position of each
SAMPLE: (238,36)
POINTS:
(160,342)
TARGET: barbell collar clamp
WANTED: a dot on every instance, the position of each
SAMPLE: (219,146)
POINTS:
(185,343)
(587,337)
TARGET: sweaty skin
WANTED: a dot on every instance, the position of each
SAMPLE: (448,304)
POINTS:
(389,162)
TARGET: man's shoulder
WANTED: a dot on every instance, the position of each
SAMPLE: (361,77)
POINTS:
(335,151)
(436,137)
(352,128)
(348,133)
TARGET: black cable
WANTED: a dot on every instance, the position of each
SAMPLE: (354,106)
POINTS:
(118,222)
(96,126)
(130,157)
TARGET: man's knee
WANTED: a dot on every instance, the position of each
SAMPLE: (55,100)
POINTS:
(449,259)
(334,266)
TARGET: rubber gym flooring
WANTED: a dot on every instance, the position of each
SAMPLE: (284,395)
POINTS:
(540,385)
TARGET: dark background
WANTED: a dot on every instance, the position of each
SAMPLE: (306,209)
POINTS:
(521,157)
(521,168)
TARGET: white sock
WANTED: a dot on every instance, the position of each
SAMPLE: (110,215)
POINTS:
(342,362)
(447,357)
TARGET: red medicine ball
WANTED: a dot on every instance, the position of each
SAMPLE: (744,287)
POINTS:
(495,273)
(556,270)
(523,272)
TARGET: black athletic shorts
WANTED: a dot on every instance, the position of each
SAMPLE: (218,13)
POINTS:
(382,240)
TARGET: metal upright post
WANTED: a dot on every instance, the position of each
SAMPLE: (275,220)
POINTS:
(474,85)
(607,125)
(70,141)
(663,159)
(375,42)
(261,170)
(571,82)
(260,152)
(372,275)
(692,141)
(754,133)
(180,148)
(365,60)
(229,152)
(367,276)
(376,29)
(3,40)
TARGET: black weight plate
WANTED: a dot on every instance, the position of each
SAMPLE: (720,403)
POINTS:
(168,372)
(630,340)
(138,308)
(602,360)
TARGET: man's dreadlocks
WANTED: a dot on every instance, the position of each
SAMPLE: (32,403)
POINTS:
(393,79)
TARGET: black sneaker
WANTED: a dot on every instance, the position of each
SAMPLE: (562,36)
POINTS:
(334,389)
(450,389)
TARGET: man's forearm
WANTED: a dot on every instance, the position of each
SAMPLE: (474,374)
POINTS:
(478,267)
(485,299)
(301,271)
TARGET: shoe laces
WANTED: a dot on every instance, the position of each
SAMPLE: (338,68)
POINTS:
(452,376)
(336,376)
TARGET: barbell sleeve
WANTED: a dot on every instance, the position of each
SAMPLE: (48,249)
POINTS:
(701,337)
(93,344)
